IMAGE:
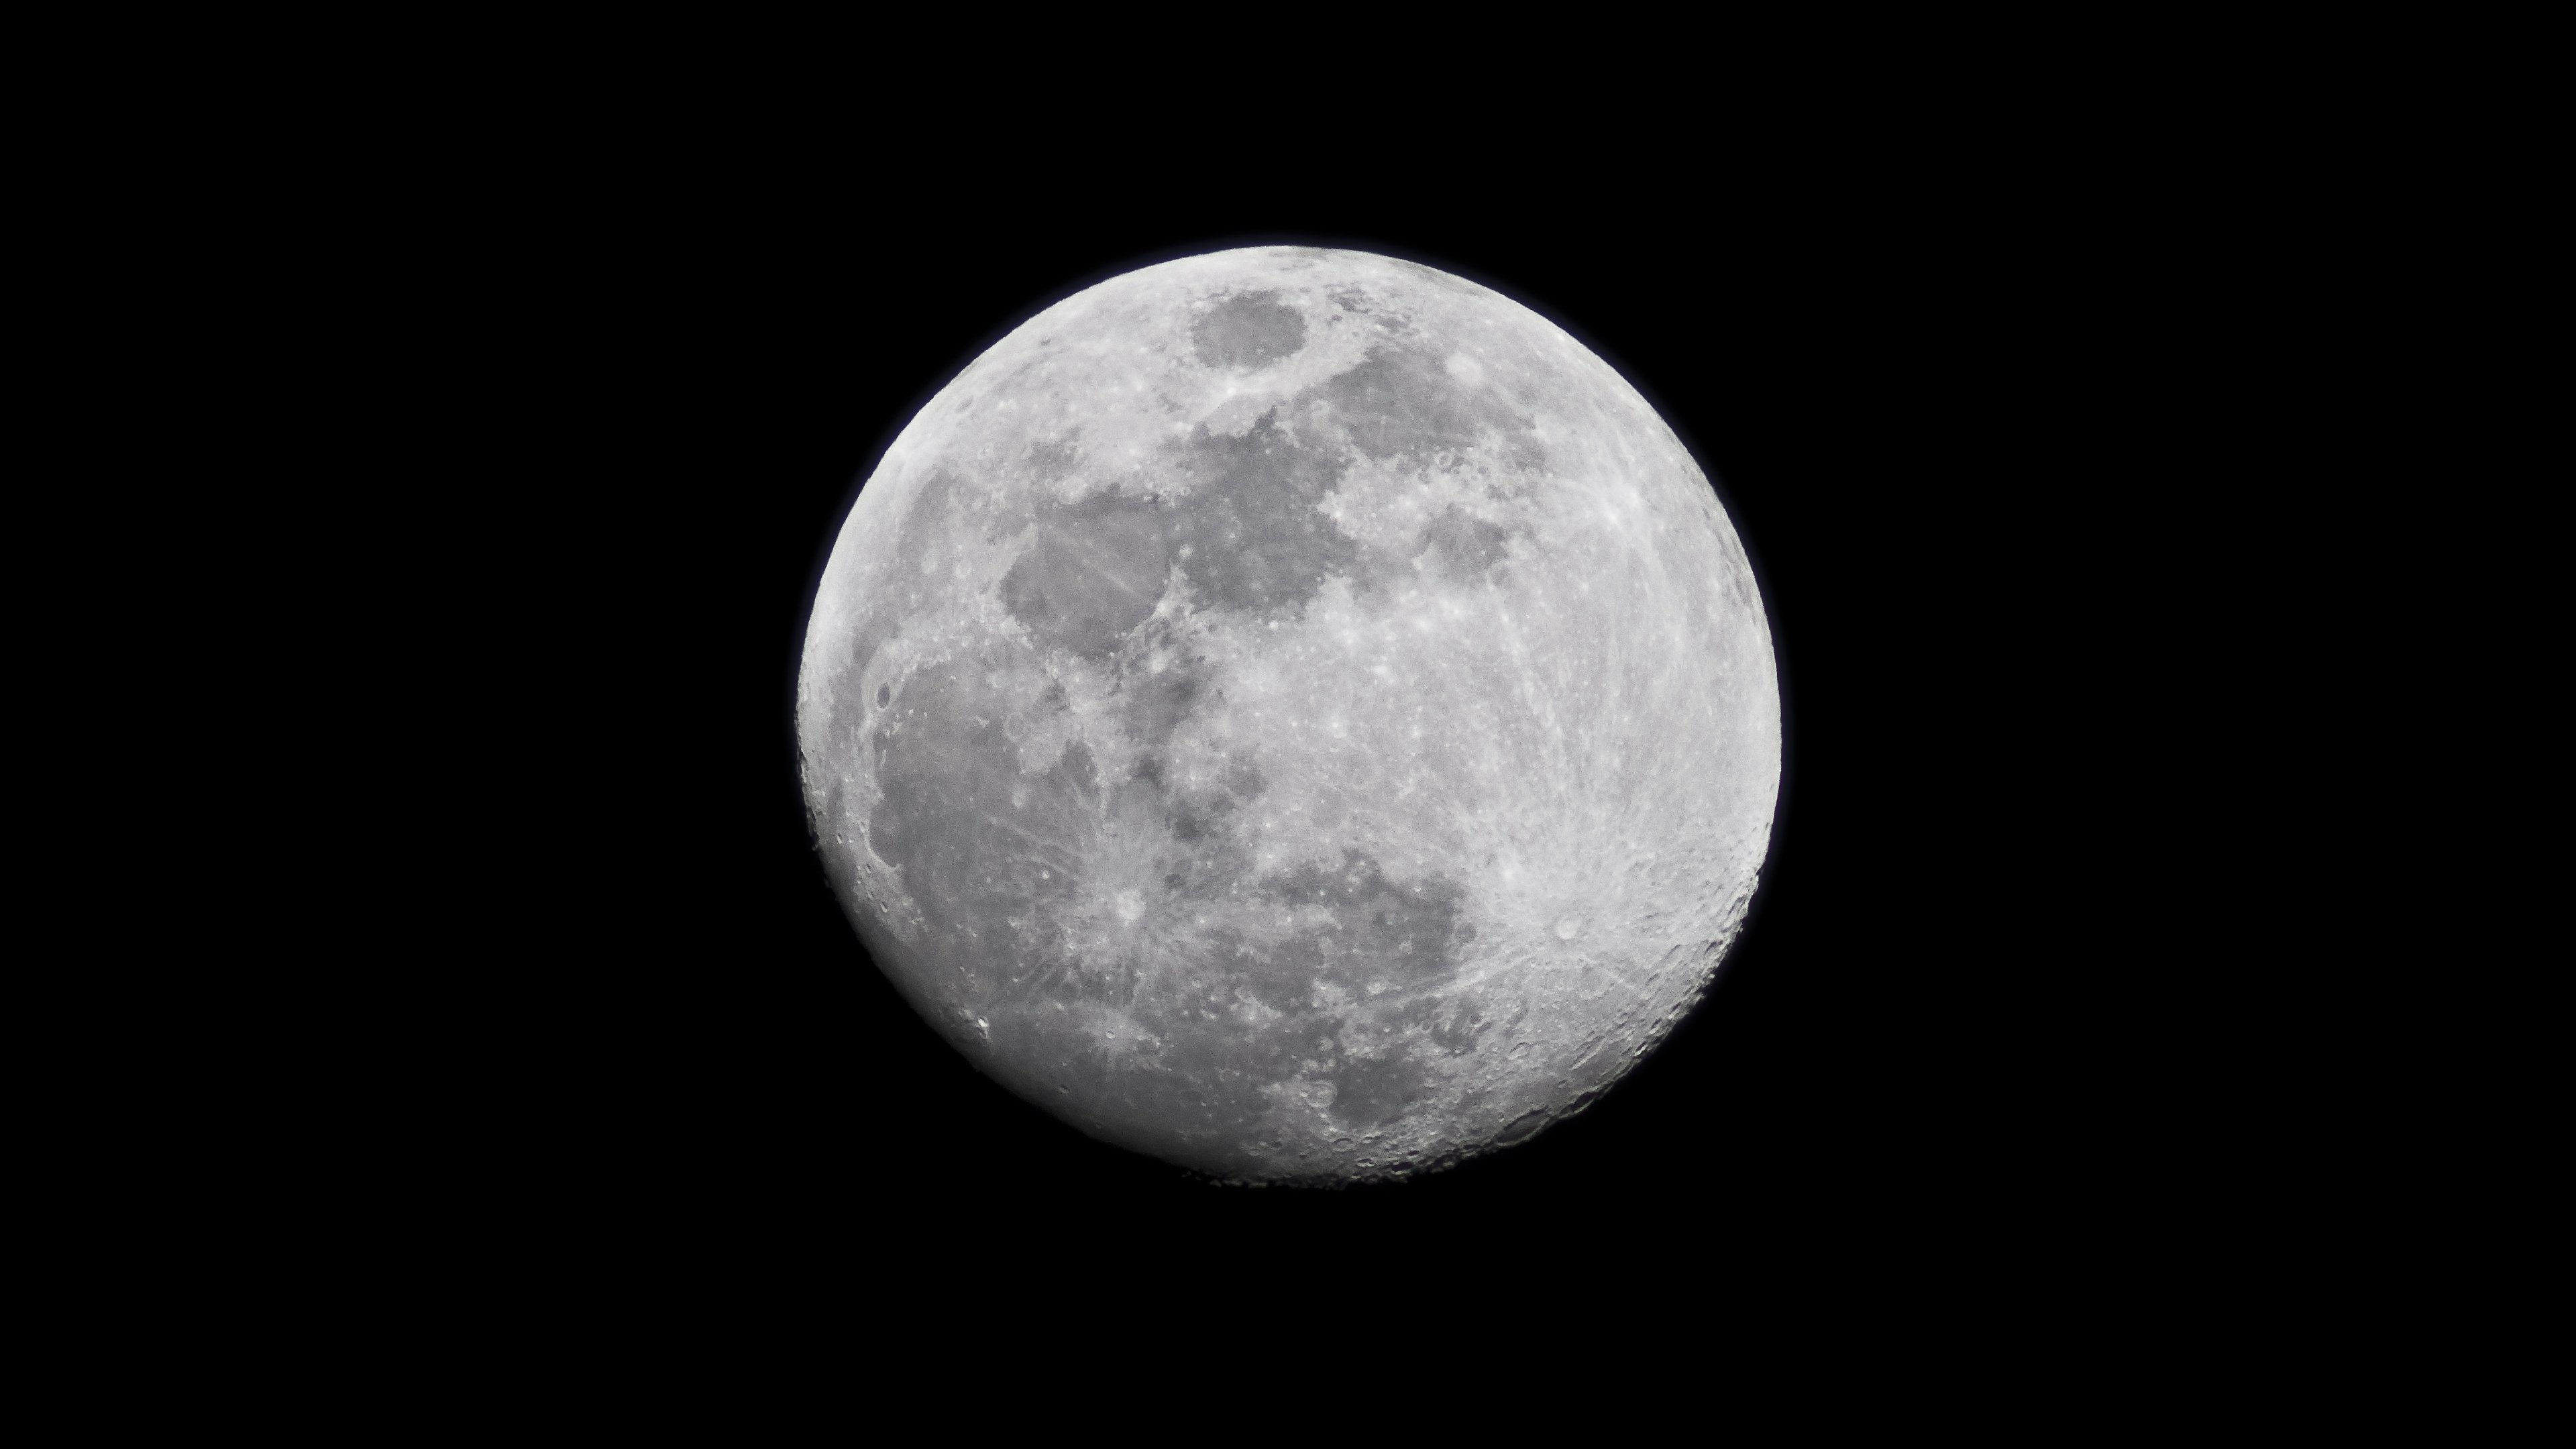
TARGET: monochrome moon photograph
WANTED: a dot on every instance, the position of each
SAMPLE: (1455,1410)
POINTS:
(1293,713)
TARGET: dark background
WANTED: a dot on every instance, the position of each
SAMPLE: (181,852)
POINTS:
(697,1052)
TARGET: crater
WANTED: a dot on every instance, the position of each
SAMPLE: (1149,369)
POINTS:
(1248,330)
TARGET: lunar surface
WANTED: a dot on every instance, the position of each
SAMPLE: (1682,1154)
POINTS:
(1298,714)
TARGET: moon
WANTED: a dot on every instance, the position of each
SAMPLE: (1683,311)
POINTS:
(1295,713)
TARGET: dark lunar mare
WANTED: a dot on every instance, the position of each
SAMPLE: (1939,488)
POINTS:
(984,854)
(1465,547)
(1248,534)
(1401,402)
(1095,571)
(1248,330)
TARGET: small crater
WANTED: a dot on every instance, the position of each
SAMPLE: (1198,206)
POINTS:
(885,695)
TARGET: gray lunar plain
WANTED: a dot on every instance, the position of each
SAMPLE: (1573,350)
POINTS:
(1295,713)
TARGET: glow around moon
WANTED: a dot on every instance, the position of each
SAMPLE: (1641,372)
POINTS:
(1295,713)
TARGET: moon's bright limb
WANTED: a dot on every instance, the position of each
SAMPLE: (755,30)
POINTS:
(1295,713)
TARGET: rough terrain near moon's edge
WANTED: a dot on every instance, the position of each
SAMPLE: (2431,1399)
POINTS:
(1295,713)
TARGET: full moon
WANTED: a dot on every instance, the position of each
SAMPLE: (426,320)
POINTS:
(1298,714)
